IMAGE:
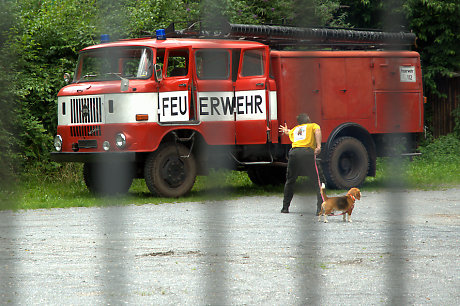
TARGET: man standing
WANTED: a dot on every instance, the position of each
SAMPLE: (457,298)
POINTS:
(306,143)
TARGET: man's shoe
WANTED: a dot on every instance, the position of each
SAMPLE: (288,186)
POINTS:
(285,210)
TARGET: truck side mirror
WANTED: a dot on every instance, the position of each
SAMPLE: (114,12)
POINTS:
(158,73)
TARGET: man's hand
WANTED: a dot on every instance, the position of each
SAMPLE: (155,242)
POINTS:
(317,151)
(284,129)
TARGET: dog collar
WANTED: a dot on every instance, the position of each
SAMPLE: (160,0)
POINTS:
(352,197)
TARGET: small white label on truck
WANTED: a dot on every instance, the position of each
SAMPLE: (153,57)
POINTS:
(407,74)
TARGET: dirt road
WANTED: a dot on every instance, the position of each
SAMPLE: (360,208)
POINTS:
(402,248)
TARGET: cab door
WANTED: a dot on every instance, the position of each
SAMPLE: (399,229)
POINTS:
(251,96)
(175,103)
(214,94)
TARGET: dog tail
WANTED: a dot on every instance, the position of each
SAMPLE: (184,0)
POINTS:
(323,187)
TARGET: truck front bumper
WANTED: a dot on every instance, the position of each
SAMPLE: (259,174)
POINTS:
(85,157)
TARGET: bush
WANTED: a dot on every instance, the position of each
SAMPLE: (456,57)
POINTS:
(444,148)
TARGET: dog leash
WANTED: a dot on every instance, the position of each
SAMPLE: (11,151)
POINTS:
(319,181)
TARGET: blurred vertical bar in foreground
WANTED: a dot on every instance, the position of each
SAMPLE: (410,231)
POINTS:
(216,219)
(395,182)
(107,175)
(8,155)
(308,274)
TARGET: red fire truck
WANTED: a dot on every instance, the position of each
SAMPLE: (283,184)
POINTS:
(167,109)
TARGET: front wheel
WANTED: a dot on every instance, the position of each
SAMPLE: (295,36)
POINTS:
(348,163)
(170,171)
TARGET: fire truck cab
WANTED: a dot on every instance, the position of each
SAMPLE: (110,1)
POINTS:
(167,110)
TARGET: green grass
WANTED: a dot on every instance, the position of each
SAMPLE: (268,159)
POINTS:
(416,174)
(434,174)
(67,189)
(437,168)
(63,191)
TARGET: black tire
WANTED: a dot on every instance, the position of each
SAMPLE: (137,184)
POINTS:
(348,163)
(167,174)
(108,178)
(267,175)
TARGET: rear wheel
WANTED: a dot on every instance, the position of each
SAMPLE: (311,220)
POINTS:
(108,178)
(267,175)
(169,172)
(348,163)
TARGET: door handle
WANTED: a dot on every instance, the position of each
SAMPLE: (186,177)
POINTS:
(182,85)
(343,90)
(260,84)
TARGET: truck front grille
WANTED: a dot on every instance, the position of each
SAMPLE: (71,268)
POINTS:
(86,110)
(85,131)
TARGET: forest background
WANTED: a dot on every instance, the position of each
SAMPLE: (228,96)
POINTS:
(40,40)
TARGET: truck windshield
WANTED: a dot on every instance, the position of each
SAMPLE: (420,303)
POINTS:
(108,64)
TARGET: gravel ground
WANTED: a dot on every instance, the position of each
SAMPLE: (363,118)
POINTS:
(402,249)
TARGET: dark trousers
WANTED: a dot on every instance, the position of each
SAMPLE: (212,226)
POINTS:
(301,162)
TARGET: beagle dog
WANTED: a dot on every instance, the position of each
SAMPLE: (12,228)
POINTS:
(343,203)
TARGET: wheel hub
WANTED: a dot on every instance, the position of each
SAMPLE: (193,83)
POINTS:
(346,164)
(173,172)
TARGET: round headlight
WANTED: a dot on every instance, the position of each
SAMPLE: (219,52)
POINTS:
(106,145)
(120,140)
(58,143)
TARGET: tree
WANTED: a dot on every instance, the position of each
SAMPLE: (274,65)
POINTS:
(286,12)
(374,14)
(8,139)
(437,24)
(44,44)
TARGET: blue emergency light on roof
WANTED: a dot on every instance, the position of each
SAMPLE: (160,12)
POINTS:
(105,38)
(161,35)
